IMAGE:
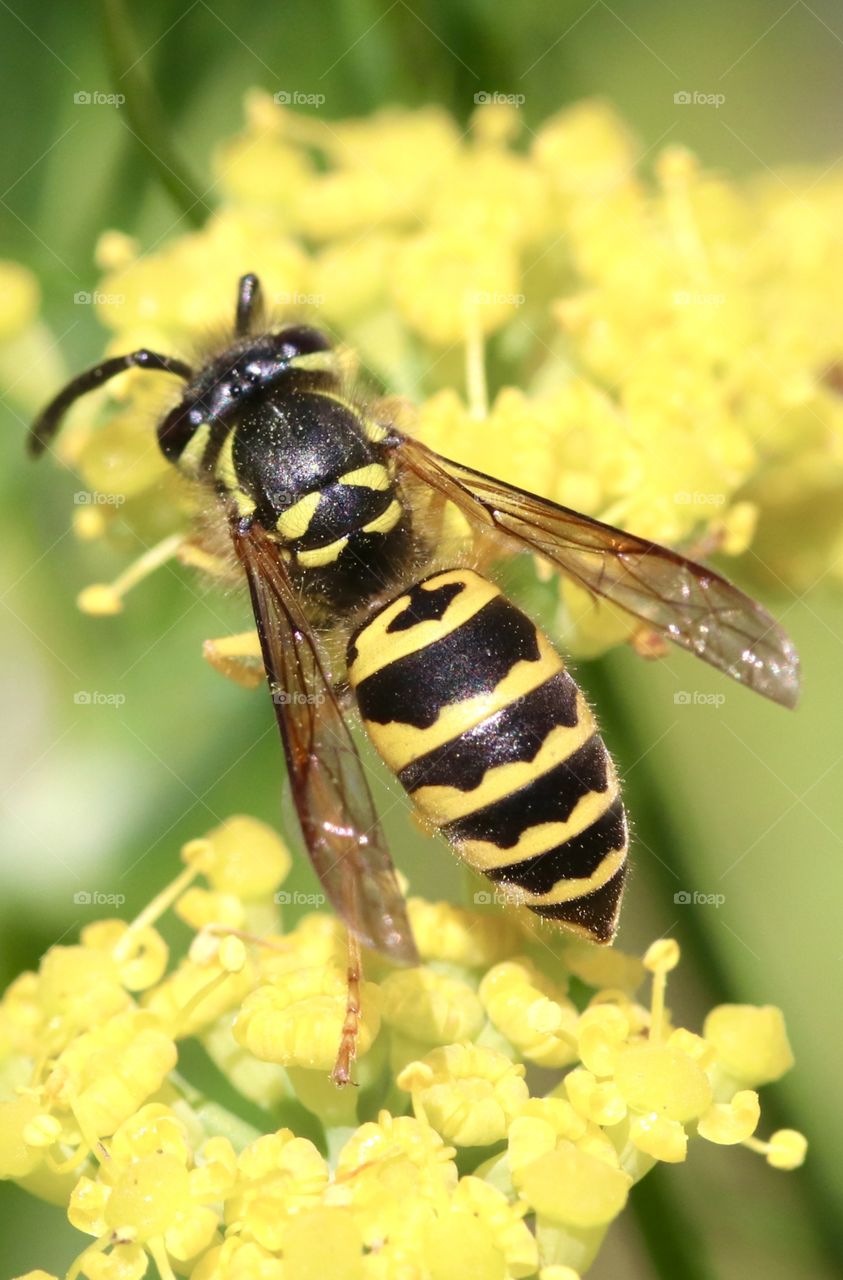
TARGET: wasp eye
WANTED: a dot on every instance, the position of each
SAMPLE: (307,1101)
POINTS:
(178,429)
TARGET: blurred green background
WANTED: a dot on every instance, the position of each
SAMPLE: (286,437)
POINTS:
(742,800)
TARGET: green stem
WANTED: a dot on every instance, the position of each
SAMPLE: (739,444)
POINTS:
(145,115)
(655,821)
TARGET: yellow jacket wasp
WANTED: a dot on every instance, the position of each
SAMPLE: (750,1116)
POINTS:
(463,695)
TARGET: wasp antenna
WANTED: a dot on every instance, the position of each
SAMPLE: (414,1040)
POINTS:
(49,420)
(249,304)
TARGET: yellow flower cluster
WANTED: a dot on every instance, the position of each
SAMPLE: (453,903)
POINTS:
(664,352)
(98,1117)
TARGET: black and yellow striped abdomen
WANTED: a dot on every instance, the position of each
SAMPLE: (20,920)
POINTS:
(471,706)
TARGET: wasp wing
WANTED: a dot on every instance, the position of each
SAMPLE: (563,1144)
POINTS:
(686,602)
(330,792)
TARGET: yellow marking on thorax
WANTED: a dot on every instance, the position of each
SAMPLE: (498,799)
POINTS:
(295,521)
(400,744)
(373,430)
(376,646)
(318,362)
(386,520)
(372,476)
(224,468)
(486,856)
(244,503)
(191,455)
(320,556)
(445,804)
(226,473)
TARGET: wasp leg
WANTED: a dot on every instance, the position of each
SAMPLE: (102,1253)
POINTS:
(347,1052)
(238,658)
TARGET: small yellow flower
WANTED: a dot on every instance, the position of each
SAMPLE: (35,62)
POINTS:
(248,860)
(480,1236)
(664,1081)
(392,1136)
(278,1176)
(535,1016)
(216,1172)
(693,1046)
(599,1101)
(585,150)
(544,1120)
(730,1122)
(659,1136)
(601,1033)
(467,1093)
(297,1021)
(105,1074)
(786,1149)
(429,1007)
(571,1186)
(751,1043)
(141,954)
(143,1194)
(396,1175)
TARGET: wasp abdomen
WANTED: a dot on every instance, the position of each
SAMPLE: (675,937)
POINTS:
(472,708)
